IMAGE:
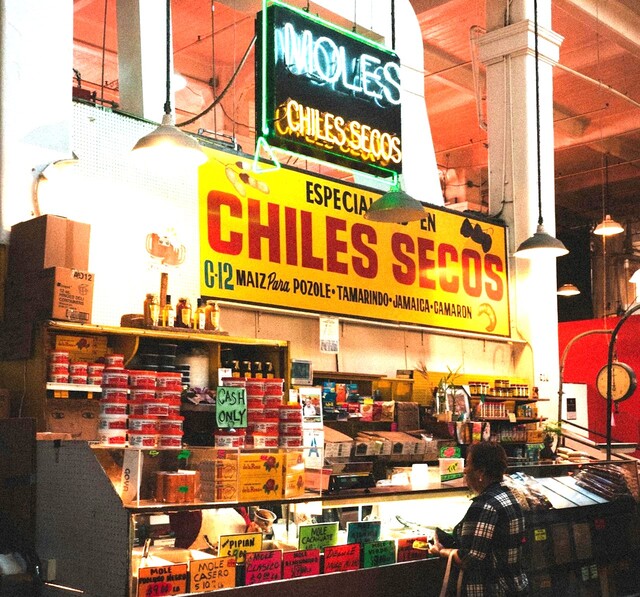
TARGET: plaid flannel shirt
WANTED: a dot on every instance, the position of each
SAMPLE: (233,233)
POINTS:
(490,539)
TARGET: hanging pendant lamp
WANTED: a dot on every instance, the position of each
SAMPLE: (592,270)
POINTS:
(568,290)
(541,243)
(395,206)
(167,144)
(608,227)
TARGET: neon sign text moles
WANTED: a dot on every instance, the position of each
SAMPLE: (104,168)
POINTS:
(326,63)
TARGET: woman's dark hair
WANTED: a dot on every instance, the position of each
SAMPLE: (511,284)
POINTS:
(489,457)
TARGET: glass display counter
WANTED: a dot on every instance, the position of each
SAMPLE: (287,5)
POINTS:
(156,522)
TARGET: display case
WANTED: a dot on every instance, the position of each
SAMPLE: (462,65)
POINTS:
(35,395)
(101,512)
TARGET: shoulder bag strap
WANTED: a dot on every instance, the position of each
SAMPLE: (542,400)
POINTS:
(447,574)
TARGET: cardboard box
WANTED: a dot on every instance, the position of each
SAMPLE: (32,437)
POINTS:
(48,241)
(336,444)
(54,293)
(260,465)
(261,489)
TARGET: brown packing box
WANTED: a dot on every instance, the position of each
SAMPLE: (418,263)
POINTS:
(54,293)
(48,241)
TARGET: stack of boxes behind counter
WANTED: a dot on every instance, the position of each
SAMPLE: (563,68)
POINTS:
(47,278)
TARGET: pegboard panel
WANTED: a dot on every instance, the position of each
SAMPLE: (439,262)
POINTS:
(80,520)
(124,203)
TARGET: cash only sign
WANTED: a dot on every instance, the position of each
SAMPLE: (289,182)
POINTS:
(298,241)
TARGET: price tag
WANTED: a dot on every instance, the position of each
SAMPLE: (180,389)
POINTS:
(157,581)
(238,546)
(212,574)
(408,553)
(317,536)
(512,418)
(263,566)
(379,553)
(303,562)
(340,558)
(363,532)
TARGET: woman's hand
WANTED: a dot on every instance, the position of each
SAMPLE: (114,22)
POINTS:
(436,548)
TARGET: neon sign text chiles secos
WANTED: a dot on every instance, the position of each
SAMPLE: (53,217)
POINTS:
(333,132)
(326,63)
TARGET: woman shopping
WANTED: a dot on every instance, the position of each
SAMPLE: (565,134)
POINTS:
(488,550)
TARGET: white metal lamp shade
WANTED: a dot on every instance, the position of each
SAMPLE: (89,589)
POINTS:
(568,290)
(167,144)
(608,227)
(541,244)
(395,206)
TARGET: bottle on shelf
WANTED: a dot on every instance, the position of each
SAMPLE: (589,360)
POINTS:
(199,318)
(183,313)
(212,316)
(267,370)
(151,309)
(168,313)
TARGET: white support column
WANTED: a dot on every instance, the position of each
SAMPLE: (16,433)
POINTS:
(36,80)
(142,62)
(513,120)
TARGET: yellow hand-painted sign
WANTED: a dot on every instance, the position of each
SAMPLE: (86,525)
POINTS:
(299,241)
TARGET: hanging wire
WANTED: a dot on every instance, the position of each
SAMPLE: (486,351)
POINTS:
(214,83)
(167,103)
(393,25)
(536,53)
(104,50)
(219,98)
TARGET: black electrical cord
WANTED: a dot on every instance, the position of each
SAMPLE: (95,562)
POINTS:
(535,33)
(218,99)
(167,103)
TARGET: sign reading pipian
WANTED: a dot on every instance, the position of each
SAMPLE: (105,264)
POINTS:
(298,241)
(327,93)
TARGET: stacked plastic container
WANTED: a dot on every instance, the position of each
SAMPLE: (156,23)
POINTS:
(114,413)
(61,369)
(140,406)
(262,425)
(58,367)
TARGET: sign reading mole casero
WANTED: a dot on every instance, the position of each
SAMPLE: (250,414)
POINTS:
(299,241)
(326,92)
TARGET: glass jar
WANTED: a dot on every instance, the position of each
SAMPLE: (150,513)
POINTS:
(151,309)
(183,313)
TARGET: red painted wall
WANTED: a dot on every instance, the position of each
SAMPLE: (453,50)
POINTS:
(587,355)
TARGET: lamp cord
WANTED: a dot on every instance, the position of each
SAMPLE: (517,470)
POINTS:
(393,25)
(535,31)
(167,103)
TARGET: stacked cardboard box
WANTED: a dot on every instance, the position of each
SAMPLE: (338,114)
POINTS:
(294,474)
(260,476)
(47,278)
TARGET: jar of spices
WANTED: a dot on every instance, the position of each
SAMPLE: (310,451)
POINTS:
(151,309)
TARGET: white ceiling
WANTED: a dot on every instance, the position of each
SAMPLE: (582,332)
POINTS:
(596,90)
